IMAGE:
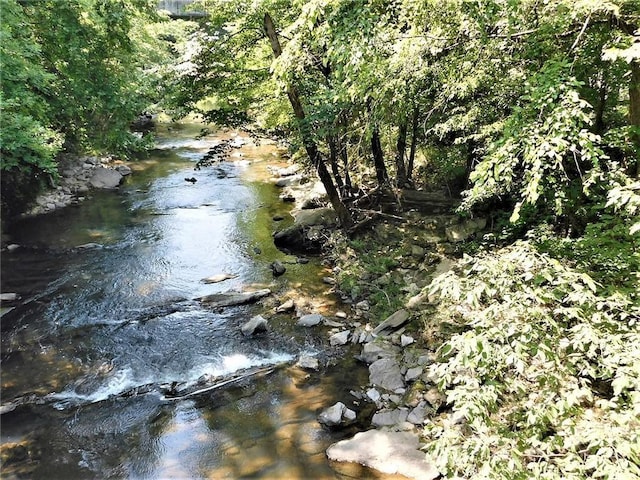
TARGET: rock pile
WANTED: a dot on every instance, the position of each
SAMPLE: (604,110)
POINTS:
(77,176)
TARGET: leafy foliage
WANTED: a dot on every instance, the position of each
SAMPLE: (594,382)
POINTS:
(543,379)
(75,74)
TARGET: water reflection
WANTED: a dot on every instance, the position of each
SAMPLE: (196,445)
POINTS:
(121,316)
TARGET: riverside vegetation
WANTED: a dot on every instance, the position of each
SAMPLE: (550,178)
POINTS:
(529,109)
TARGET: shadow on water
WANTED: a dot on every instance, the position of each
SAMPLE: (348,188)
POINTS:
(109,318)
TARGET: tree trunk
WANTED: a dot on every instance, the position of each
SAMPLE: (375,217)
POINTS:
(342,151)
(634,110)
(310,146)
(333,161)
(378,158)
(414,142)
(401,146)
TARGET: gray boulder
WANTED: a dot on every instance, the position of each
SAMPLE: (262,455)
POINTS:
(373,351)
(388,418)
(418,415)
(310,320)
(464,230)
(337,415)
(340,338)
(385,373)
(395,453)
(256,325)
(105,178)
(277,268)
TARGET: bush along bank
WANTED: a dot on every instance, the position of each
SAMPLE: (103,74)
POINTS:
(508,364)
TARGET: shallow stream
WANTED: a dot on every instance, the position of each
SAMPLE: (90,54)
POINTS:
(101,329)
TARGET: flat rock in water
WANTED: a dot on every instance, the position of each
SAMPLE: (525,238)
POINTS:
(257,324)
(221,277)
(308,362)
(310,320)
(387,452)
(89,246)
(393,321)
(228,299)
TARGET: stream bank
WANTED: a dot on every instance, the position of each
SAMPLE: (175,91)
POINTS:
(110,325)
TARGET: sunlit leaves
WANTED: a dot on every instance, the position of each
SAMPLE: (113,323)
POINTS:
(546,372)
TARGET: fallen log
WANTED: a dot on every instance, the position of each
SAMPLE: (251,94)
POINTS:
(172,394)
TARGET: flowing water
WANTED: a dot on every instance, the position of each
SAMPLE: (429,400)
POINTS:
(102,330)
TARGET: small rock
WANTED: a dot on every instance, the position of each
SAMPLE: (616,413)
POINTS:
(418,415)
(287,306)
(373,395)
(255,325)
(341,314)
(349,415)
(310,320)
(308,362)
(413,373)
(12,247)
(329,280)
(363,305)
(277,218)
(417,251)
(277,268)
(336,415)
(340,338)
(406,340)
(435,398)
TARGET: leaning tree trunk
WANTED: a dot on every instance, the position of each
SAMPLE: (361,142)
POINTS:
(634,110)
(310,146)
(333,161)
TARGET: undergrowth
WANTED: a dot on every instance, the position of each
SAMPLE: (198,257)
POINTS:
(542,375)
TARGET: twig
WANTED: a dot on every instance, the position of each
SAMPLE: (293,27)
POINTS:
(582,30)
